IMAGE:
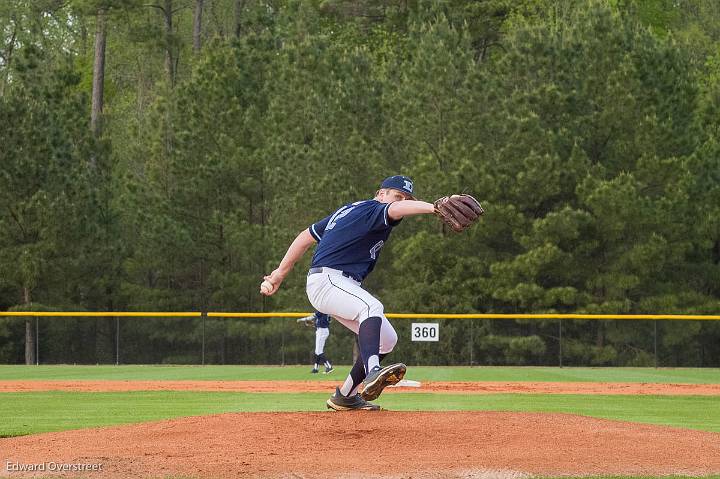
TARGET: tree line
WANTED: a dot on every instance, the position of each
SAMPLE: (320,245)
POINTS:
(161,156)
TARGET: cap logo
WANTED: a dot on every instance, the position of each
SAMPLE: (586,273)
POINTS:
(408,185)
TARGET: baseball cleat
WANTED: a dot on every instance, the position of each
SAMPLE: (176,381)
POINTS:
(338,402)
(328,370)
(379,378)
(314,371)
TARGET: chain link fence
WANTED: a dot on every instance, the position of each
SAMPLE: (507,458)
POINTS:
(207,339)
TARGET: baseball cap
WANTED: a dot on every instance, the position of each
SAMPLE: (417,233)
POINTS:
(400,183)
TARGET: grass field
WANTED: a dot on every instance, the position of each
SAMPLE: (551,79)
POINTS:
(37,412)
(420,373)
(30,413)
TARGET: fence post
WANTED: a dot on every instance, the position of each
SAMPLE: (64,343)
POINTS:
(37,341)
(560,341)
(655,341)
(117,341)
(282,344)
(472,340)
(203,338)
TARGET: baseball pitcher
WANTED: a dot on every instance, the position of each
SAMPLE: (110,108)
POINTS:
(348,246)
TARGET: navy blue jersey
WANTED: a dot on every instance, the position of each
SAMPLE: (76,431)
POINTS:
(350,239)
(322,320)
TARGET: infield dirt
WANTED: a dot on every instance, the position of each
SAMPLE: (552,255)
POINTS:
(374,444)
(456,387)
(497,445)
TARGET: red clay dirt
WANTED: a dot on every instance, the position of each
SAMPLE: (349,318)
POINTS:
(422,445)
(456,387)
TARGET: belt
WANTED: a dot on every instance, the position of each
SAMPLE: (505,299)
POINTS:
(320,269)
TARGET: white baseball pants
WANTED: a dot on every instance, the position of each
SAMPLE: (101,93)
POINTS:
(345,300)
(321,335)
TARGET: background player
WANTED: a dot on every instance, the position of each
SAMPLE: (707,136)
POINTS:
(349,242)
(321,322)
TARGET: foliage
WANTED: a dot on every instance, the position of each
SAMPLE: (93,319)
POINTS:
(588,129)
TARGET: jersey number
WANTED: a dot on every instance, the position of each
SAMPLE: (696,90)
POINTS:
(339,214)
(374,250)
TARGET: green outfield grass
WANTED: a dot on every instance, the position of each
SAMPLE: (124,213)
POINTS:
(420,373)
(29,413)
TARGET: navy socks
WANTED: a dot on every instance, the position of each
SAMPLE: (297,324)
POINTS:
(369,340)
(357,374)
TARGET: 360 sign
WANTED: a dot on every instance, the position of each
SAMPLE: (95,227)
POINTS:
(425,332)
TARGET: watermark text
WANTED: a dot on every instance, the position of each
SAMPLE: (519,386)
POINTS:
(50,466)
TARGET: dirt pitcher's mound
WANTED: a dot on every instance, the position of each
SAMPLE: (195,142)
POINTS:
(372,444)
